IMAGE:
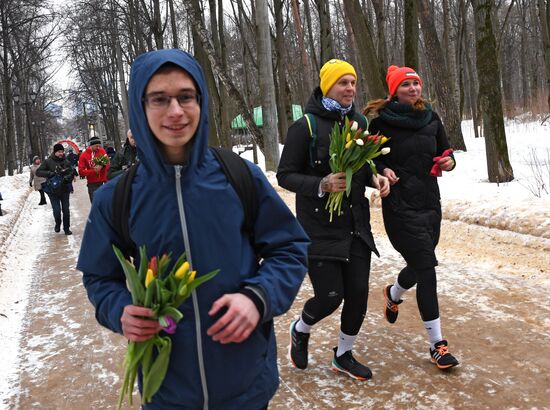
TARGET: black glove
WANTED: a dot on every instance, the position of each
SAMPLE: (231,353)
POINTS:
(30,184)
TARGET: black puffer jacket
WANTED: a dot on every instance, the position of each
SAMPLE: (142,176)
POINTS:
(300,173)
(61,166)
(412,210)
(122,161)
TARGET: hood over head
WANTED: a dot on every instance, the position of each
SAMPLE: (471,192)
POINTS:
(143,68)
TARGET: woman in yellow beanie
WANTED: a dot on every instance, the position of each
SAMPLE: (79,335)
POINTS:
(340,251)
(412,211)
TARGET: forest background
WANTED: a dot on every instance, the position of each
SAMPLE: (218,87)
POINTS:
(482,60)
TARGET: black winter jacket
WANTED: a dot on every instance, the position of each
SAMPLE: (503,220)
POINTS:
(122,161)
(412,210)
(61,166)
(300,173)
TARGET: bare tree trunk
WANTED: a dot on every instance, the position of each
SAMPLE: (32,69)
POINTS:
(544,19)
(174,26)
(8,99)
(267,87)
(441,77)
(327,49)
(367,53)
(499,168)
(380,31)
(202,36)
(305,83)
(313,54)
(282,106)
(411,33)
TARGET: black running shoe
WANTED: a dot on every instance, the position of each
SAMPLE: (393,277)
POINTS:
(348,365)
(68,232)
(441,356)
(297,351)
(57,228)
(392,308)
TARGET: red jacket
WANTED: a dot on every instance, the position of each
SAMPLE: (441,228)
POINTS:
(86,166)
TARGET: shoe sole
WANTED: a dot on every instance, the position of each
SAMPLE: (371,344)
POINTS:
(290,348)
(443,367)
(337,370)
(386,298)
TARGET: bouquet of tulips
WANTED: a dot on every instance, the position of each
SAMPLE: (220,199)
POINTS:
(101,160)
(350,149)
(156,287)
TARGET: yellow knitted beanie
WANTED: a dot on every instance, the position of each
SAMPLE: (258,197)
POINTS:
(331,72)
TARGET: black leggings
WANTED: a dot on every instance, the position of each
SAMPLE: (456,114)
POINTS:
(426,290)
(336,281)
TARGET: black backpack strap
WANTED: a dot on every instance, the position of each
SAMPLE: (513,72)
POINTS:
(312,126)
(121,210)
(240,178)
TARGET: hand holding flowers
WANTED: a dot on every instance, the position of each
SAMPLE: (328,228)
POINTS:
(350,149)
(156,295)
(101,160)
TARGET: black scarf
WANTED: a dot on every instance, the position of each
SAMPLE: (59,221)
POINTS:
(405,116)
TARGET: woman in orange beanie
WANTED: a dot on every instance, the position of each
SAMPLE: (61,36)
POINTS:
(412,211)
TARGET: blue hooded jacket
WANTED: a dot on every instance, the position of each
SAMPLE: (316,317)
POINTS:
(193,208)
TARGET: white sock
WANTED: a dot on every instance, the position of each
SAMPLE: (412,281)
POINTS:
(345,343)
(302,327)
(396,291)
(433,327)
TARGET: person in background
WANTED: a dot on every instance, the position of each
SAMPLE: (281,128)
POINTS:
(340,251)
(412,212)
(110,152)
(57,164)
(37,181)
(125,159)
(95,174)
(224,350)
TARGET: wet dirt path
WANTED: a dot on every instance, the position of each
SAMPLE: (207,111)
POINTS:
(492,286)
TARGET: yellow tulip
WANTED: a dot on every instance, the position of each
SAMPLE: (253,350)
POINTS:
(182,270)
(348,144)
(348,137)
(149,277)
(192,276)
(383,140)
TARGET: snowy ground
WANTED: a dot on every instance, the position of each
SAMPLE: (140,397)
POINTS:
(466,196)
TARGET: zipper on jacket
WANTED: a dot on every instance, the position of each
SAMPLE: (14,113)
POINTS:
(194,297)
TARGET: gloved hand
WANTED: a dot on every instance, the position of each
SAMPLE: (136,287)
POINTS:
(30,184)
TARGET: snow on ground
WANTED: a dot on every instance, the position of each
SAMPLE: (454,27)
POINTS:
(522,205)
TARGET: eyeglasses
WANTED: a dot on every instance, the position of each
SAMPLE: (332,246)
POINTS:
(163,101)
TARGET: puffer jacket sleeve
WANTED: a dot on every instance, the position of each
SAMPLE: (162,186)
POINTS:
(292,173)
(282,244)
(103,277)
(116,164)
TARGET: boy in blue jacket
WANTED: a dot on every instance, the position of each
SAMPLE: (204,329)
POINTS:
(224,351)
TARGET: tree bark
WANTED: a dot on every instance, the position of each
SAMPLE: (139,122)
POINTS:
(305,83)
(441,77)
(411,33)
(327,48)
(202,37)
(367,53)
(267,87)
(282,106)
(543,7)
(499,168)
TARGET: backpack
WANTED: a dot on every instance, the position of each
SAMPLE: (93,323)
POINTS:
(235,169)
(312,125)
